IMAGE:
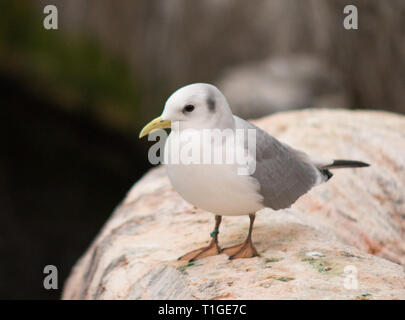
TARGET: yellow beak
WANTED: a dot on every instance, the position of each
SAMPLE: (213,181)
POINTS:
(155,124)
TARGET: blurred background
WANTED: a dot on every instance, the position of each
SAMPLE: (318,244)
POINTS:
(74,99)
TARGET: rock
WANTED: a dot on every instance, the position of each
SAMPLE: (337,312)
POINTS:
(348,228)
(280,84)
(362,207)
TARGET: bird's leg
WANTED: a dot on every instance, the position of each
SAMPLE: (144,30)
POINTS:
(246,249)
(211,250)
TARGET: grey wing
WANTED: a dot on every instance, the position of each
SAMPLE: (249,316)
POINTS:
(284,174)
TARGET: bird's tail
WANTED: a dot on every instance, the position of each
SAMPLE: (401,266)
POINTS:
(337,164)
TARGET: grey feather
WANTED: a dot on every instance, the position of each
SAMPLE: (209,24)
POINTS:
(284,174)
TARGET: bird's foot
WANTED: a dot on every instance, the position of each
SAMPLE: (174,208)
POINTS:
(213,249)
(244,250)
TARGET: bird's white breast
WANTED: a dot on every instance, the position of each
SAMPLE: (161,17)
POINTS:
(213,187)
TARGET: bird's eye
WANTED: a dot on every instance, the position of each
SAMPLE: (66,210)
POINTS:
(188,108)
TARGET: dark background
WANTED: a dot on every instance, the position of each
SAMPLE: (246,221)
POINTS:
(74,99)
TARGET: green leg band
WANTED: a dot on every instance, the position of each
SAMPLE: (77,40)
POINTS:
(215,231)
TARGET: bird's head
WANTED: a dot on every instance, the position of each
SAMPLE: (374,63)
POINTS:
(196,106)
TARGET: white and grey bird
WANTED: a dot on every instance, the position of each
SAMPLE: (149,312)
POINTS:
(282,174)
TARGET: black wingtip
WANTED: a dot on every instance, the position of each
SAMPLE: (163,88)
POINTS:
(348,164)
(327,174)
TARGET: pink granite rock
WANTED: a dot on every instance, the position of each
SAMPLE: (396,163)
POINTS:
(343,240)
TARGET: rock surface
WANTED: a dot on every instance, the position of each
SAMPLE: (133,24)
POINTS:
(347,228)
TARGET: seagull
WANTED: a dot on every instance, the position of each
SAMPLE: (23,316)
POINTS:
(277,177)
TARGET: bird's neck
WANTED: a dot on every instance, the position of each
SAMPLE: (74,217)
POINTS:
(219,123)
